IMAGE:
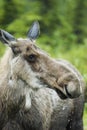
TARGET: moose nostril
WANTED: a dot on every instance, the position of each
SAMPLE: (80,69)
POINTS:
(67,91)
(27,49)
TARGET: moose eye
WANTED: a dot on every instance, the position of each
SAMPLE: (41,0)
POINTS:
(31,58)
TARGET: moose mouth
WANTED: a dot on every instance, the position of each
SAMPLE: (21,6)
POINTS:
(62,93)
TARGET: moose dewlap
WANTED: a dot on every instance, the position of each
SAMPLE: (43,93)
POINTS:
(38,92)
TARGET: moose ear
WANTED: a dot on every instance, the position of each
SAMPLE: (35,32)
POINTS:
(34,31)
(5,37)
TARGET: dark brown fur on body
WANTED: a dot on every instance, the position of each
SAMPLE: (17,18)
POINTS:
(15,116)
(28,80)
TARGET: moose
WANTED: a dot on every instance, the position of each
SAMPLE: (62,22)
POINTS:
(38,92)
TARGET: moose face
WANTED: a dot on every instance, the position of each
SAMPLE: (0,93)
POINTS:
(35,68)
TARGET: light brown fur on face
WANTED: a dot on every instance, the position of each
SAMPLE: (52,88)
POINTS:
(56,74)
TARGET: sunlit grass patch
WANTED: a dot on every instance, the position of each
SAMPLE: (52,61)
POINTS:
(2,49)
(85,117)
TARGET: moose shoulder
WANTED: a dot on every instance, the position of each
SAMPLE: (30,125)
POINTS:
(38,92)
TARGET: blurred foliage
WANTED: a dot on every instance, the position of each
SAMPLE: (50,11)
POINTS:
(85,117)
(63,27)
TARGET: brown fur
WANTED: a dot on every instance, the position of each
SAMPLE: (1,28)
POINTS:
(28,100)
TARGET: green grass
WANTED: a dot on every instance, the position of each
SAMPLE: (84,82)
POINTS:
(85,117)
(2,49)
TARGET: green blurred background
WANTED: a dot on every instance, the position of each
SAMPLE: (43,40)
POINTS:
(63,28)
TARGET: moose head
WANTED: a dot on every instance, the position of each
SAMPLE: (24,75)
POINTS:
(37,69)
